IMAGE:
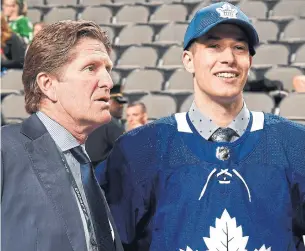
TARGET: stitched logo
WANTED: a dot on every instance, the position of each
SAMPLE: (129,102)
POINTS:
(227,11)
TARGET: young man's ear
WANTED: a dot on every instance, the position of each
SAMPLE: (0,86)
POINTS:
(47,85)
(188,61)
(251,59)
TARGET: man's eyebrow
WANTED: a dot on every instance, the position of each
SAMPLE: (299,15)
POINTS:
(211,37)
(101,58)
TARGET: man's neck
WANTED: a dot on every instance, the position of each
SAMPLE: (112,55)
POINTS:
(222,113)
(79,132)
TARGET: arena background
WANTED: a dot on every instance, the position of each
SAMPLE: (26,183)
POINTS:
(147,45)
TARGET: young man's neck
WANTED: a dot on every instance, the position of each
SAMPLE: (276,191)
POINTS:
(221,113)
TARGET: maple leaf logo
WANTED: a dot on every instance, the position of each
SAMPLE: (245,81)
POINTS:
(227,11)
(187,249)
(263,248)
(226,235)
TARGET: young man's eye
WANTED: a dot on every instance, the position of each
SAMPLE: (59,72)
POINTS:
(240,47)
(213,45)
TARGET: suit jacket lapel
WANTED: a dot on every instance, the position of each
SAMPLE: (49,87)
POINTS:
(50,171)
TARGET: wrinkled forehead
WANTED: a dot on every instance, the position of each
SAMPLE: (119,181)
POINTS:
(225,31)
(87,46)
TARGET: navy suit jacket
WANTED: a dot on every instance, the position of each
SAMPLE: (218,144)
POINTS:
(38,208)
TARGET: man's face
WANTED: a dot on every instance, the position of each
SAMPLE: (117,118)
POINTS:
(135,116)
(116,108)
(83,88)
(220,61)
(10,8)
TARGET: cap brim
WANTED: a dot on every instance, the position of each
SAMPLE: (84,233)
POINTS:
(245,26)
(121,99)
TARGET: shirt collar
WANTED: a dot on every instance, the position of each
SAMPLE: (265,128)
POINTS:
(206,127)
(62,137)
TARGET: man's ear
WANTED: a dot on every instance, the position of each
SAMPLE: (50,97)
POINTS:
(188,61)
(145,118)
(47,85)
(250,60)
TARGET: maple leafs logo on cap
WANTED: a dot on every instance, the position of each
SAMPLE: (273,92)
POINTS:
(227,11)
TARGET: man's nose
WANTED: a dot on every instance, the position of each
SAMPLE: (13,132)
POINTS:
(227,56)
(105,81)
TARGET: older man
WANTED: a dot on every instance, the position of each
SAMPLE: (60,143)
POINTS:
(218,177)
(50,197)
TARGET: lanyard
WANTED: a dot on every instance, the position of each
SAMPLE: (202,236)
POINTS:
(78,195)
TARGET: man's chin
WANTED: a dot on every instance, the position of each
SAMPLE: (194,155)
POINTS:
(227,98)
(104,118)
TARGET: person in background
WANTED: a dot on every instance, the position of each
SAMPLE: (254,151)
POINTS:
(50,199)
(15,13)
(117,102)
(218,177)
(299,83)
(100,142)
(38,27)
(136,115)
(12,48)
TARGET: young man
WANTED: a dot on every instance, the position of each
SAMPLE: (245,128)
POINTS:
(136,115)
(218,177)
(50,199)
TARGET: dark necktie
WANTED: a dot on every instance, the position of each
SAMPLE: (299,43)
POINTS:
(96,201)
(223,135)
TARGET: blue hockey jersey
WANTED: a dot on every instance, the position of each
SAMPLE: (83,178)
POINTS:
(169,189)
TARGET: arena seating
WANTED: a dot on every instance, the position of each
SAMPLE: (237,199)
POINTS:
(147,40)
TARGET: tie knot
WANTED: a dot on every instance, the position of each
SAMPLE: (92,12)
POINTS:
(80,155)
(223,135)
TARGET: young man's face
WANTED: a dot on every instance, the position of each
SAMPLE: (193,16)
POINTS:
(220,61)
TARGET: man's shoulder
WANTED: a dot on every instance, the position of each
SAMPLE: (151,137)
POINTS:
(285,127)
(10,134)
(276,120)
(166,123)
(150,133)
(10,130)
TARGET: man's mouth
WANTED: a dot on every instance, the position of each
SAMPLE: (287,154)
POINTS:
(104,99)
(226,75)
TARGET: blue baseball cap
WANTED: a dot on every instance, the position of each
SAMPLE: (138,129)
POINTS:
(220,13)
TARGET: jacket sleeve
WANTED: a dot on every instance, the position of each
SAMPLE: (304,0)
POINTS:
(297,164)
(128,200)
(298,203)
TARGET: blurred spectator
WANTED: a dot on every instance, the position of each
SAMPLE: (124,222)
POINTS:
(117,103)
(37,27)
(12,48)
(100,142)
(136,115)
(299,83)
(15,13)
